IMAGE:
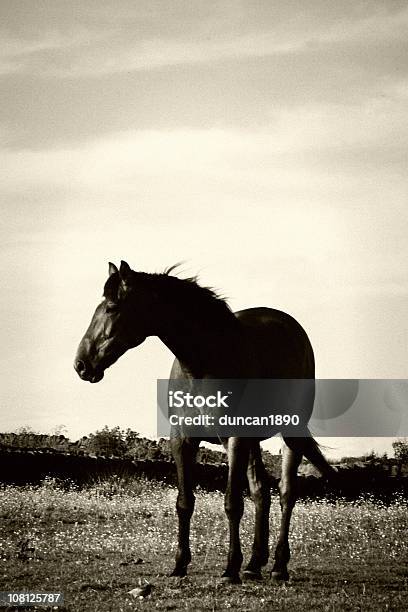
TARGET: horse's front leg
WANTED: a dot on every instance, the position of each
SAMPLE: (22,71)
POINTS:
(261,494)
(184,451)
(291,458)
(238,452)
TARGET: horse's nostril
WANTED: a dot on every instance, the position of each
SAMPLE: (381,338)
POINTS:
(80,366)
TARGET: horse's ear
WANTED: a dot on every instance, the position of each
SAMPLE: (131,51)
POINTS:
(112,269)
(125,274)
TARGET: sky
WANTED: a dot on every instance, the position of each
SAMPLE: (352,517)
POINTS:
(262,143)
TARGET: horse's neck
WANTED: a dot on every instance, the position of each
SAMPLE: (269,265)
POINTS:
(203,354)
(204,347)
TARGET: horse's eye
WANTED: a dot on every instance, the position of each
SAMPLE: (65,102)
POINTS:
(111,308)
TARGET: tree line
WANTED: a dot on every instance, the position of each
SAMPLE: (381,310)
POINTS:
(128,444)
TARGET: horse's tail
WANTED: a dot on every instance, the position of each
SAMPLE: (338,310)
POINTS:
(312,452)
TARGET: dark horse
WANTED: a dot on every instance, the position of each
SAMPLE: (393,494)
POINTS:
(210,341)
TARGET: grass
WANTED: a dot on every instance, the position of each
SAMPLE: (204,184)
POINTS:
(97,544)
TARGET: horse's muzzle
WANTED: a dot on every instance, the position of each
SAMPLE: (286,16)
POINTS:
(86,373)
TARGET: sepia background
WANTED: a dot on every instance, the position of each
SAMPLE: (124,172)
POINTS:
(264,144)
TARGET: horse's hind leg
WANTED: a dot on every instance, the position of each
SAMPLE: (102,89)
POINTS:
(261,495)
(291,458)
(184,451)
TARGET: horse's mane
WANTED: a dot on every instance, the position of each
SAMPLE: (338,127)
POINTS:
(194,281)
(199,297)
(185,290)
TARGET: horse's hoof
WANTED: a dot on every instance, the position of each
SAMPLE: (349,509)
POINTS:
(252,574)
(279,577)
(227,579)
(178,572)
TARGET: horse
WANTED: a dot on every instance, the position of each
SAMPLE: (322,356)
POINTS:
(209,341)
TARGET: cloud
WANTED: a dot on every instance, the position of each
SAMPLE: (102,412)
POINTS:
(112,50)
(282,184)
(18,54)
(352,142)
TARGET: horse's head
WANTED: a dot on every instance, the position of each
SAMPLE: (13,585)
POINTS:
(120,322)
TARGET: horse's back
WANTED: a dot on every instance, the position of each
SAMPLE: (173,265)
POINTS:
(277,344)
(267,343)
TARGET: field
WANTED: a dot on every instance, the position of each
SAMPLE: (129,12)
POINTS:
(97,544)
